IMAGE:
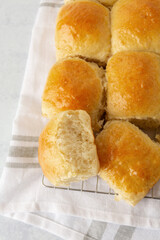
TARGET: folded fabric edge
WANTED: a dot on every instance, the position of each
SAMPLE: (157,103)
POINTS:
(122,219)
(48,225)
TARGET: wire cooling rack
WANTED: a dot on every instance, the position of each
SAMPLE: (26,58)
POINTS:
(98,186)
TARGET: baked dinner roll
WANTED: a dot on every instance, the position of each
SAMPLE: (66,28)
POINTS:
(105,2)
(67,152)
(129,160)
(136,25)
(133,88)
(83,29)
(75,84)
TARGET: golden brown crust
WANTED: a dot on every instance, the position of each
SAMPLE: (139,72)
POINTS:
(74,84)
(83,29)
(133,89)
(67,151)
(136,25)
(45,156)
(129,160)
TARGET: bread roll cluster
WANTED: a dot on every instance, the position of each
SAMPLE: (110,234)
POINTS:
(106,80)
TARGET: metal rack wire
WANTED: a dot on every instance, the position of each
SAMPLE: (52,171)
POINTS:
(150,195)
(153,194)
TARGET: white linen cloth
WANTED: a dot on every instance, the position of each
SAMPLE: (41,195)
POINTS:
(68,214)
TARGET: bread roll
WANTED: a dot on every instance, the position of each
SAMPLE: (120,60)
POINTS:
(105,2)
(133,89)
(74,84)
(67,152)
(83,29)
(136,25)
(129,160)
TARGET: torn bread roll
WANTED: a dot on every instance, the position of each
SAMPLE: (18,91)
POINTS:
(67,151)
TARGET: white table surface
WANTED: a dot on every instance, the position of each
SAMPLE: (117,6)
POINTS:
(16,22)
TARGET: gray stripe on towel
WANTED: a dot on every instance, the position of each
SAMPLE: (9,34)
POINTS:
(96,230)
(21,165)
(25,138)
(27,152)
(124,233)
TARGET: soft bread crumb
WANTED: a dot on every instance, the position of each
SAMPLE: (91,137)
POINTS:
(67,152)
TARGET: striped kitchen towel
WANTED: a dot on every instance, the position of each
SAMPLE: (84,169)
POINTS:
(72,215)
